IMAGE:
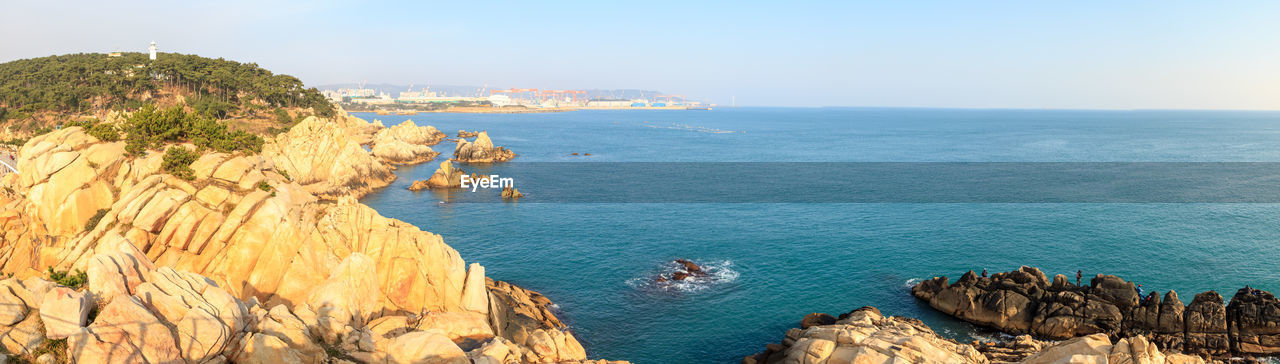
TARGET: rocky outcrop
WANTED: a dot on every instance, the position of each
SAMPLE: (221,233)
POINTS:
(193,265)
(406,143)
(481,150)
(325,157)
(511,193)
(866,336)
(1098,348)
(172,316)
(467,134)
(1024,301)
(447,176)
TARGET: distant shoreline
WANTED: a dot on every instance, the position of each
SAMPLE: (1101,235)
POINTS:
(512,110)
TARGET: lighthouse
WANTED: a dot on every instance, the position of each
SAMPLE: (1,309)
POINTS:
(153,50)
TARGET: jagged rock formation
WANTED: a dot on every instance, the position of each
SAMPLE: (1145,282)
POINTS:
(320,267)
(406,143)
(866,336)
(447,176)
(481,151)
(325,157)
(1024,301)
(467,134)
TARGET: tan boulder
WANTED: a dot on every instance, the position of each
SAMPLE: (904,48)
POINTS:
(475,296)
(349,297)
(282,324)
(1094,348)
(64,312)
(458,325)
(266,349)
(430,346)
(125,331)
(12,308)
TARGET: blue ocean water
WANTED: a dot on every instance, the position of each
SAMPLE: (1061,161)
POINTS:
(778,262)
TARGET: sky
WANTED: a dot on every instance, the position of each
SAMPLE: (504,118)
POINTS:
(964,54)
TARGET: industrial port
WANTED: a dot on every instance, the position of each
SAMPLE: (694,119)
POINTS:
(484,99)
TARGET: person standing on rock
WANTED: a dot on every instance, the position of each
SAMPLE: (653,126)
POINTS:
(1139,289)
(1079,273)
(984,272)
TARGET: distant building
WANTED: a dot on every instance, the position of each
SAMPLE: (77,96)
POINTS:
(153,50)
(115,54)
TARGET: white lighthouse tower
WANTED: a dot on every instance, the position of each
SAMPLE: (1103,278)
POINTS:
(153,50)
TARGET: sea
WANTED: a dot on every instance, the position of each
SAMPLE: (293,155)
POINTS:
(770,263)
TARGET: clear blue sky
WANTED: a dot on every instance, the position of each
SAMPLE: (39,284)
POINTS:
(1031,54)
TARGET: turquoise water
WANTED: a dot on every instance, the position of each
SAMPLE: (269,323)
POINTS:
(778,262)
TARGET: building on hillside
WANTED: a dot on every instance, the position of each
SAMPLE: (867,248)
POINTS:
(153,50)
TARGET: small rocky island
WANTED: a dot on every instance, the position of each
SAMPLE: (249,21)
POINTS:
(447,176)
(481,150)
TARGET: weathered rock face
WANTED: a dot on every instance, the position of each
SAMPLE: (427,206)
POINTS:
(481,151)
(1023,302)
(406,143)
(865,336)
(467,134)
(325,157)
(181,258)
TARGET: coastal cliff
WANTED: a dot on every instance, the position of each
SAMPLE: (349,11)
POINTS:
(1026,301)
(291,266)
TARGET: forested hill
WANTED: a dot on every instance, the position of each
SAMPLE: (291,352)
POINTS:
(89,83)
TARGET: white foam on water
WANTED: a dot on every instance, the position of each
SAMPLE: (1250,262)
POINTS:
(718,272)
(911,283)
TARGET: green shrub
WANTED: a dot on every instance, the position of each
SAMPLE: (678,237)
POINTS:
(177,161)
(104,132)
(70,279)
(150,127)
(282,117)
(93,220)
(263,185)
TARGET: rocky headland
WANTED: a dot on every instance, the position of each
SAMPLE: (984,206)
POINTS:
(481,150)
(1026,301)
(262,258)
(866,336)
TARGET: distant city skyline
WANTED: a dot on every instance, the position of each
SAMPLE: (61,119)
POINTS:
(980,54)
